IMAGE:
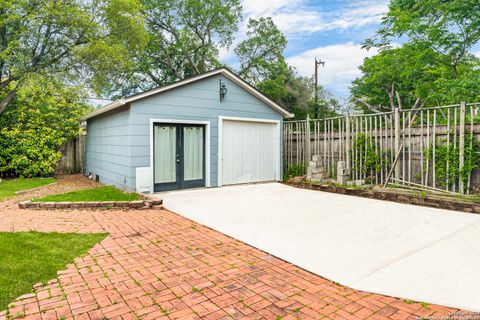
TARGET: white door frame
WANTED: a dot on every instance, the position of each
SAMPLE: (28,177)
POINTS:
(220,143)
(180,121)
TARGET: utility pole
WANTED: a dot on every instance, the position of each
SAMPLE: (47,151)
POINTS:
(317,64)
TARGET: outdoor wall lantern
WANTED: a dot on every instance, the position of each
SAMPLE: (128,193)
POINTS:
(223,91)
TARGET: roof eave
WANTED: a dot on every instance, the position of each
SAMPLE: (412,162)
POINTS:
(232,76)
(111,106)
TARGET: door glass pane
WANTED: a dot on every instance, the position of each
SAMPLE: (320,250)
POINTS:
(165,152)
(192,153)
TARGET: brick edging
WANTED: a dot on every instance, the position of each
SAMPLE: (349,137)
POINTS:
(136,204)
(468,207)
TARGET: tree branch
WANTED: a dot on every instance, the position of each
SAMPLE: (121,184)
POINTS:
(5,101)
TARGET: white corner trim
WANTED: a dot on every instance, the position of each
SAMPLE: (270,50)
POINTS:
(220,151)
(180,121)
(220,144)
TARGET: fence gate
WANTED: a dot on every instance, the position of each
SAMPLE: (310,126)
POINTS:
(430,148)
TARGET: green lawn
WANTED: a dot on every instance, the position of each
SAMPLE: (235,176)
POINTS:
(10,186)
(27,258)
(107,193)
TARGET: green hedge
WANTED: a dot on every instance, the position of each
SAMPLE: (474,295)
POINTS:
(35,124)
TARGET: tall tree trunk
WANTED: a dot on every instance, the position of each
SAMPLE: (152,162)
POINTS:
(455,71)
(391,96)
(5,101)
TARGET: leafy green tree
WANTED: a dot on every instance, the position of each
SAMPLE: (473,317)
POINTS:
(261,54)
(411,77)
(448,27)
(41,117)
(295,93)
(434,66)
(183,40)
(262,63)
(63,38)
(394,77)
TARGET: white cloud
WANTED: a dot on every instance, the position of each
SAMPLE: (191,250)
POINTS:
(341,64)
(258,8)
(297,16)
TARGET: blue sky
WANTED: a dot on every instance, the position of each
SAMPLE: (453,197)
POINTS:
(330,30)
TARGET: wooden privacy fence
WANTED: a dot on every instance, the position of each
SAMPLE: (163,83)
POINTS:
(73,156)
(429,148)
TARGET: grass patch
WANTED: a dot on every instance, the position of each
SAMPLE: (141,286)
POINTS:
(27,258)
(295,170)
(8,187)
(107,193)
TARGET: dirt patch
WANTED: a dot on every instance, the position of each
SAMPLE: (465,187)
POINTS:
(65,183)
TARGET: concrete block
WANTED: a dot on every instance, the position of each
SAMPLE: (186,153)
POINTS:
(318,176)
(355,183)
(47,205)
(77,205)
(62,205)
(24,204)
(342,169)
(33,205)
(93,204)
(138,204)
(148,203)
(121,204)
(315,164)
(157,202)
(107,204)
(359,182)
(342,179)
(317,170)
(309,173)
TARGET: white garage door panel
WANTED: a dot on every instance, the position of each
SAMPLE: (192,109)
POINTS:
(249,152)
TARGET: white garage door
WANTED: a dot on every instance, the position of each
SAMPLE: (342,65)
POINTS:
(250,152)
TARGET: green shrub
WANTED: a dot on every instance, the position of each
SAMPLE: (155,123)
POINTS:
(35,124)
(365,159)
(448,153)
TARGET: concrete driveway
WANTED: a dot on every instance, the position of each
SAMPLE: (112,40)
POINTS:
(411,252)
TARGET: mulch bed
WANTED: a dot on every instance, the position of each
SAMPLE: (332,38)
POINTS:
(396,195)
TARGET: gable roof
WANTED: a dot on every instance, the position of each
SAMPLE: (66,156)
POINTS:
(223,71)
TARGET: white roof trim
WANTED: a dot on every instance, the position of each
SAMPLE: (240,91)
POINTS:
(227,73)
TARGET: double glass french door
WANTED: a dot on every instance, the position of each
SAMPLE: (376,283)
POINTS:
(179,156)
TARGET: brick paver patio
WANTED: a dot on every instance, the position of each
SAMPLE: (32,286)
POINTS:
(158,265)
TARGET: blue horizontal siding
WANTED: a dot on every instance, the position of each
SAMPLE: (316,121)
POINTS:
(118,142)
(197,101)
(108,152)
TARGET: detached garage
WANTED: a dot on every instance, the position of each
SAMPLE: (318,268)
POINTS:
(207,131)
